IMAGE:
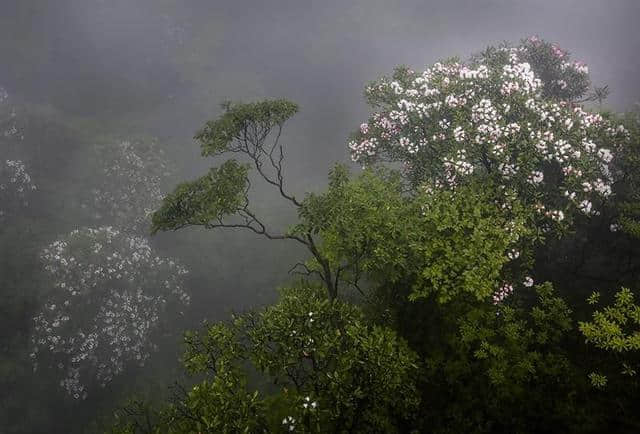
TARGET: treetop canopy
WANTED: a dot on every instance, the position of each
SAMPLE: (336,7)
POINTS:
(243,122)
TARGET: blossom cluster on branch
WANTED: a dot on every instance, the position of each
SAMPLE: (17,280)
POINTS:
(494,116)
(109,291)
(511,117)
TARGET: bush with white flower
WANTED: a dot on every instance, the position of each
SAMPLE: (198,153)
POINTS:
(8,118)
(15,185)
(509,114)
(109,294)
(130,184)
(15,180)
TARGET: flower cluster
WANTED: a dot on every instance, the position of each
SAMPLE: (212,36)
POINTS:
(503,292)
(8,124)
(15,184)
(308,404)
(289,423)
(562,78)
(15,181)
(506,289)
(495,117)
(130,188)
(109,292)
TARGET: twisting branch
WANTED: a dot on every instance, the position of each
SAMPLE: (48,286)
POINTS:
(307,271)
(254,149)
(273,147)
(247,223)
(224,192)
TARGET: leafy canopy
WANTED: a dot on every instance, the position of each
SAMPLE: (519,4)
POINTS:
(330,372)
(206,200)
(243,125)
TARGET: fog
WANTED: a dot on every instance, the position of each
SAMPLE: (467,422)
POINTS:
(91,71)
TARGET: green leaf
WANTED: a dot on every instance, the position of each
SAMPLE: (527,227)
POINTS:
(208,199)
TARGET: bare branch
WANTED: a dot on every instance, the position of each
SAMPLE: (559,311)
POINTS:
(307,271)
(253,146)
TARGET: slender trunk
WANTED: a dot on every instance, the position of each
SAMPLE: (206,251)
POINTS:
(332,287)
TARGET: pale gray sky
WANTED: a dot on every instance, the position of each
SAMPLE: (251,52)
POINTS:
(160,60)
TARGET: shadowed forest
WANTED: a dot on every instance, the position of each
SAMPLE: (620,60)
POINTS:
(331,217)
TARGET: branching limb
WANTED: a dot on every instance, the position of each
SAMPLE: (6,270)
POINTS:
(326,268)
(255,150)
(307,271)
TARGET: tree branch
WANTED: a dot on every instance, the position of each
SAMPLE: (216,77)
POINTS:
(254,147)
(307,271)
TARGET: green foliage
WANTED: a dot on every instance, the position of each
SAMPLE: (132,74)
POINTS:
(331,372)
(208,199)
(630,218)
(616,330)
(628,167)
(361,376)
(503,368)
(510,179)
(243,122)
(244,129)
(509,341)
(594,298)
(445,242)
(607,330)
(221,405)
(463,245)
(363,224)
(598,381)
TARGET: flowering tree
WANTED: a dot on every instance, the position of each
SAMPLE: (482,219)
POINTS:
(509,115)
(109,294)
(497,151)
(129,189)
(8,125)
(110,291)
(511,121)
(15,181)
(15,185)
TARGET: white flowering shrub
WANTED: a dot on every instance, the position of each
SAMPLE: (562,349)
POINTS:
(15,185)
(109,293)
(509,114)
(15,180)
(130,184)
(9,128)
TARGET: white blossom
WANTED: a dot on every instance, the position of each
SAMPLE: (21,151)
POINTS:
(104,305)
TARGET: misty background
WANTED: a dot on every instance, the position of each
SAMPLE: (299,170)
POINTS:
(83,70)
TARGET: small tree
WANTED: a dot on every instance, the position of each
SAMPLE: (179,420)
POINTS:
(110,291)
(109,294)
(220,198)
(330,372)
(508,116)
